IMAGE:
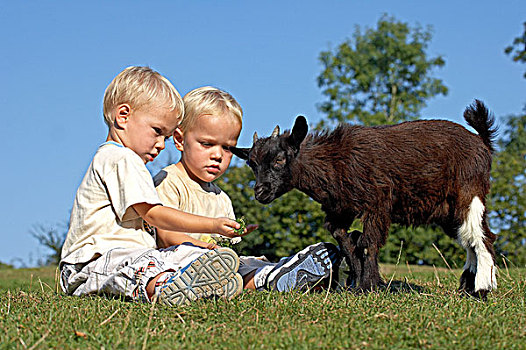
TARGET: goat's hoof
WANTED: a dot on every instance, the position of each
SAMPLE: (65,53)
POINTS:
(467,282)
(350,283)
(479,295)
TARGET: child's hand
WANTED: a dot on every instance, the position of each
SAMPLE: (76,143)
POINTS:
(244,229)
(211,246)
(228,228)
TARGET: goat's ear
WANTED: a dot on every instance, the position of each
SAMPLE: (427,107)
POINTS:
(275,132)
(299,131)
(240,152)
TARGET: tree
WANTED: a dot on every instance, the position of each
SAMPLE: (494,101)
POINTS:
(508,191)
(381,76)
(4,266)
(517,49)
(52,238)
(507,202)
(418,247)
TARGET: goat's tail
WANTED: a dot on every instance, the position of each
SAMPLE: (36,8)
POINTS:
(478,117)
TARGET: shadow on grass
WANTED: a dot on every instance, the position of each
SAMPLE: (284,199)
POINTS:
(394,287)
(391,286)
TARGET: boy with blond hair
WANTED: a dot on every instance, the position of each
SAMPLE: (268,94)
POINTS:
(107,250)
(210,126)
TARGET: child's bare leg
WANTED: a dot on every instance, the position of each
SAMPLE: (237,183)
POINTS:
(248,281)
(150,287)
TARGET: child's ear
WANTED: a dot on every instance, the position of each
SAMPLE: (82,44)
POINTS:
(122,115)
(179,139)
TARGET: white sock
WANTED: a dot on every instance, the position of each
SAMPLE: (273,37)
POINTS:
(260,277)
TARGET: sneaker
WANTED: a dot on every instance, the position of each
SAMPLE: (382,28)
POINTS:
(213,274)
(304,269)
(232,288)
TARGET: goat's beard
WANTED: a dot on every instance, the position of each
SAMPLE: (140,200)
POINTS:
(263,194)
(265,198)
(266,194)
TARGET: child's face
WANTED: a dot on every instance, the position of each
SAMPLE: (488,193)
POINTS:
(145,130)
(204,146)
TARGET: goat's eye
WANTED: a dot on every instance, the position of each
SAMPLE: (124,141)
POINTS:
(279,162)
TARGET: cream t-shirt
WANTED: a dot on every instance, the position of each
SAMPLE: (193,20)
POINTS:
(102,217)
(177,190)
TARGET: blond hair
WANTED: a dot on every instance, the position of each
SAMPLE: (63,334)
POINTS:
(208,100)
(138,87)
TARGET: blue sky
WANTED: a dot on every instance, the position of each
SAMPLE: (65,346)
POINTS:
(58,58)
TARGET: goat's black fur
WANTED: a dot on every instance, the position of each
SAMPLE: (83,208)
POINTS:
(412,173)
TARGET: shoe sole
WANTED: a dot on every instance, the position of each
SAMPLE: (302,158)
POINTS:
(303,270)
(212,274)
(232,288)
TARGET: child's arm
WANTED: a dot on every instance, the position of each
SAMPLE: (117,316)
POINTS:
(167,239)
(171,219)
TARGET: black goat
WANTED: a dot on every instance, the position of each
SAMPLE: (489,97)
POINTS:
(413,173)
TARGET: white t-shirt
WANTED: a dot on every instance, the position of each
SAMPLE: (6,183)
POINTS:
(177,190)
(102,217)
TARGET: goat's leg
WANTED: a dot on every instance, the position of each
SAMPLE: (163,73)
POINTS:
(348,248)
(369,244)
(370,277)
(486,281)
(355,261)
(467,279)
(357,258)
(479,276)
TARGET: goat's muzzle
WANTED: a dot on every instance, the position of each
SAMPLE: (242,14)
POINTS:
(262,194)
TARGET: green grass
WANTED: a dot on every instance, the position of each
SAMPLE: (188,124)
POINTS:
(421,310)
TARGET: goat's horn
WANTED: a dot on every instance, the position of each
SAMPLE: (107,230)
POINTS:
(255,137)
(275,132)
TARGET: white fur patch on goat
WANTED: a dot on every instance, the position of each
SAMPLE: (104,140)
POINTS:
(478,259)
(471,260)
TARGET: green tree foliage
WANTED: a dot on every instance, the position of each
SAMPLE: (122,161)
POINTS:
(286,226)
(507,202)
(5,266)
(422,246)
(52,238)
(517,49)
(508,191)
(380,76)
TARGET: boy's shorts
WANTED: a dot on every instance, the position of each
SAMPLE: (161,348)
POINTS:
(125,272)
(247,264)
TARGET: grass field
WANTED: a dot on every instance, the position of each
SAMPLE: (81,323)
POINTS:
(421,310)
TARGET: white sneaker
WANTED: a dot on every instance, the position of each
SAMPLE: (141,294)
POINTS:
(213,274)
(304,269)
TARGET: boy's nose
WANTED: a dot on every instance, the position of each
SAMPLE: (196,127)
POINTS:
(160,144)
(217,153)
